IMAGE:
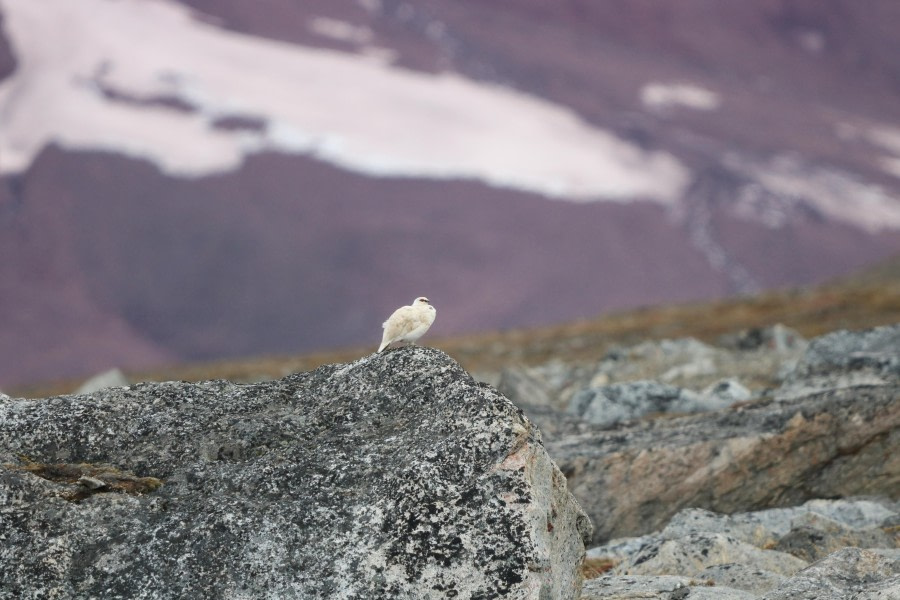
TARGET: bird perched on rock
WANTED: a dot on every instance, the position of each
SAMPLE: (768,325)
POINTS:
(408,323)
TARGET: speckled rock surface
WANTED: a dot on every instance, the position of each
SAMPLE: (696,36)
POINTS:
(396,476)
(813,537)
(742,577)
(754,361)
(690,555)
(670,587)
(620,402)
(848,573)
(723,553)
(765,528)
(876,350)
(817,437)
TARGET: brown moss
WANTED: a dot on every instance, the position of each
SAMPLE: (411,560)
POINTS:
(595,567)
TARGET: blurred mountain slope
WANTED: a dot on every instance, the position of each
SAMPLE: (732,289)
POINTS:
(783,116)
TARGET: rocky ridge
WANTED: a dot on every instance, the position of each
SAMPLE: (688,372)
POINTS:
(792,421)
(649,453)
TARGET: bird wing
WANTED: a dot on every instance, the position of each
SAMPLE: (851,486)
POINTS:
(402,321)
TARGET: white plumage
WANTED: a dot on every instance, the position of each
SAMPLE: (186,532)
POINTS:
(408,323)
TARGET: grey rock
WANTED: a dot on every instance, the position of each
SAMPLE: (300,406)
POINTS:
(862,513)
(726,392)
(666,587)
(848,573)
(811,544)
(613,404)
(833,443)
(846,359)
(396,476)
(535,392)
(525,386)
(686,363)
(707,592)
(745,527)
(111,378)
(696,537)
(742,577)
(722,376)
(672,361)
(690,555)
(616,586)
(766,527)
(813,536)
(620,549)
(876,350)
(550,384)
(685,349)
(888,589)
(777,338)
(820,442)
(667,568)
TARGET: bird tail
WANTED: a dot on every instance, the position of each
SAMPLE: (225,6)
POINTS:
(383,346)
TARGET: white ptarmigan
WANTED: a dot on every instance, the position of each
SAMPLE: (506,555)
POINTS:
(408,323)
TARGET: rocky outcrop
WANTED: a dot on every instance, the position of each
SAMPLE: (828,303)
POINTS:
(753,555)
(620,402)
(831,429)
(396,476)
(660,377)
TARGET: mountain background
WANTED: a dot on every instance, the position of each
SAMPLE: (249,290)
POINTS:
(210,180)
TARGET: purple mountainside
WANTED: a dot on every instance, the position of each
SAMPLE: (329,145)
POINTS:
(784,116)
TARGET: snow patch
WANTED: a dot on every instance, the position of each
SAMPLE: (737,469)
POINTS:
(890,165)
(888,138)
(836,194)
(341,30)
(79,60)
(811,41)
(664,96)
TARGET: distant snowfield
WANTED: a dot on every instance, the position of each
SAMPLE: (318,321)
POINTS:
(836,194)
(662,96)
(148,79)
(888,138)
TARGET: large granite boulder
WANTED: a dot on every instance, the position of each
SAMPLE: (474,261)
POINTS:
(396,476)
